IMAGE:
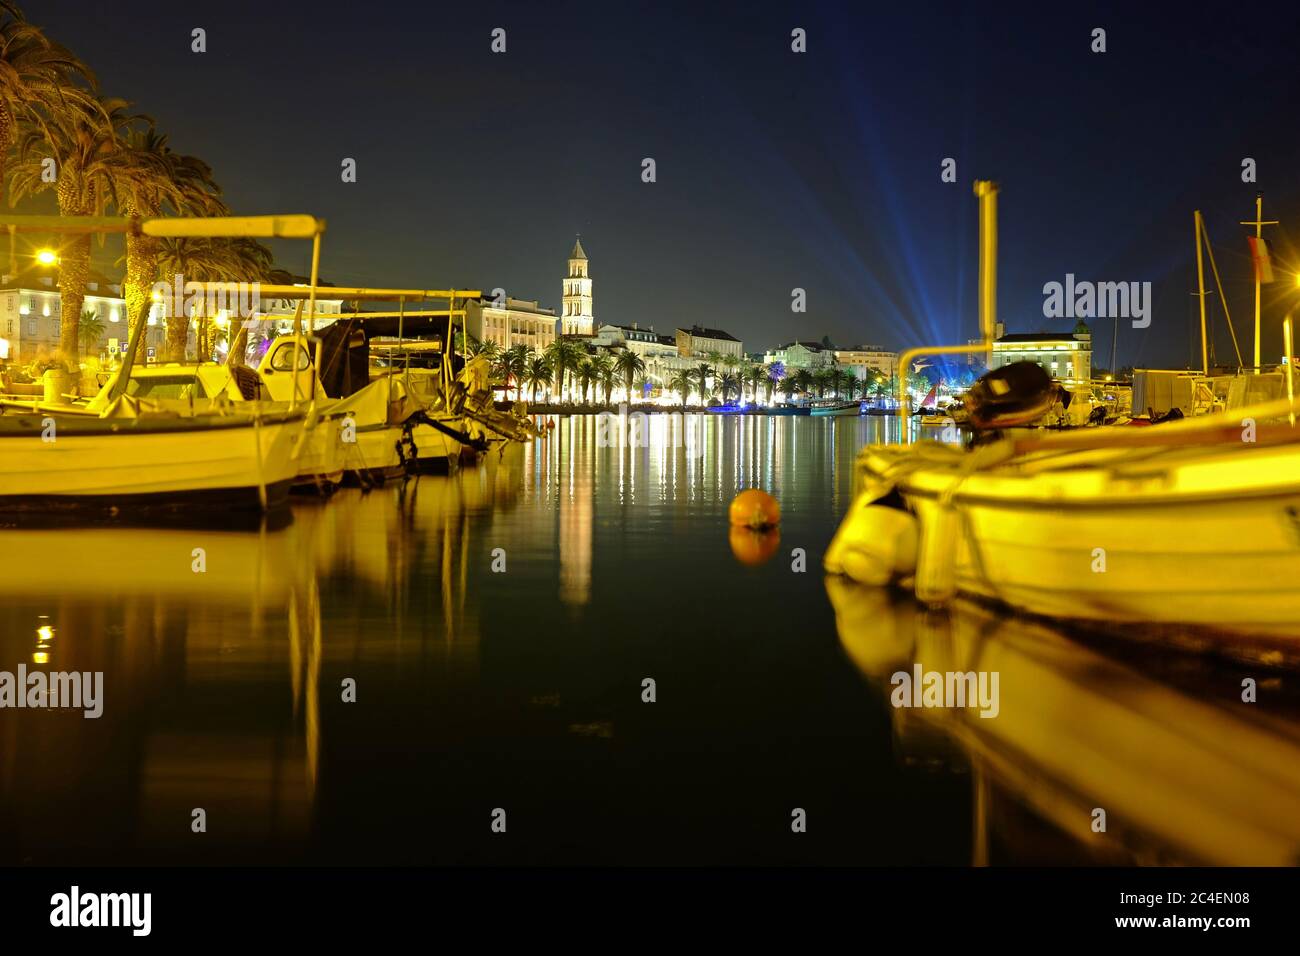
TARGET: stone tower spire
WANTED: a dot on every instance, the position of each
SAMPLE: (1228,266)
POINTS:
(577,317)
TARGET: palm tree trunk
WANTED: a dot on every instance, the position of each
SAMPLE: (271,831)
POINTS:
(74,272)
(141,270)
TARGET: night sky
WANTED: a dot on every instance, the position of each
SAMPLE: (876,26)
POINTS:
(775,169)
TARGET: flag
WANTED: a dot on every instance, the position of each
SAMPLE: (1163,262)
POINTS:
(1259,254)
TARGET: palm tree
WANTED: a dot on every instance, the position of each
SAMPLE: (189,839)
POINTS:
(41,82)
(801,381)
(90,329)
(207,260)
(702,373)
(151,179)
(754,376)
(563,355)
(510,366)
(836,379)
(644,384)
(537,372)
(84,144)
(682,381)
(486,348)
(628,364)
(602,370)
(771,375)
(822,380)
(585,374)
(730,382)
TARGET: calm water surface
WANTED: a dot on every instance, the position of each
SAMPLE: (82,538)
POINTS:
(521,689)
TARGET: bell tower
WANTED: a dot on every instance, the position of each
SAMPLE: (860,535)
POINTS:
(577,317)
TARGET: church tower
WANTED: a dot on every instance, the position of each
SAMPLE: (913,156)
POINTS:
(577,318)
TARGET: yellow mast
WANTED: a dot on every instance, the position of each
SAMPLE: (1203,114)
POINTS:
(987,191)
(1259,225)
(1200,285)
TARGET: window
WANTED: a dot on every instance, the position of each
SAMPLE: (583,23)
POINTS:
(169,386)
(31,326)
(282,360)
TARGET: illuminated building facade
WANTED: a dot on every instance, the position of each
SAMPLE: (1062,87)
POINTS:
(1065,356)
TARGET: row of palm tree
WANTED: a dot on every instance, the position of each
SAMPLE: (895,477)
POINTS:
(566,368)
(57,132)
(564,364)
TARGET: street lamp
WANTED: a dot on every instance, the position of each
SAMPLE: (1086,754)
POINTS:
(47,257)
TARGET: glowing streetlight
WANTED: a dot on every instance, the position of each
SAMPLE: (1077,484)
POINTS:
(47,257)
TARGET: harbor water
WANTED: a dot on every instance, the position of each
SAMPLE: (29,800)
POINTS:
(459,670)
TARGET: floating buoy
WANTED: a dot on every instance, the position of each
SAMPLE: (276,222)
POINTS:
(754,508)
(753,547)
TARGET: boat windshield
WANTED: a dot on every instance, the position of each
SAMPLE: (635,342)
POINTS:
(166,386)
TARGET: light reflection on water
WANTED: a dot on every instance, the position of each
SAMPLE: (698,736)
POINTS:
(521,688)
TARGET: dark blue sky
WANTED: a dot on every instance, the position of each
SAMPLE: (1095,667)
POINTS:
(775,170)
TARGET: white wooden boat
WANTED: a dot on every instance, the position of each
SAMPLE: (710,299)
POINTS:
(155,463)
(366,436)
(1182,524)
(191,388)
(837,408)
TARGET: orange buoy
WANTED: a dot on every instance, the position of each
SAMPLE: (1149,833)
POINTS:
(753,547)
(754,508)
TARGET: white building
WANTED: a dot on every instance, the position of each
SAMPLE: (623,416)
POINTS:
(515,322)
(868,361)
(577,317)
(31,317)
(659,352)
(1064,356)
(697,342)
(811,355)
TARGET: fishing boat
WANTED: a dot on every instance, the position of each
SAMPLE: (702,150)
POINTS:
(836,408)
(131,457)
(159,464)
(785,410)
(189,389)
(1190,524)
(1169,525)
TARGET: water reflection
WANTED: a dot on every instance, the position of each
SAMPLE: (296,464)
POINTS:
(212,646)
(224,688)
(1185,771)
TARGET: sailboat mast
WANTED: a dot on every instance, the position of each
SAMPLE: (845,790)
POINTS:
(1258,251)
(1200,294)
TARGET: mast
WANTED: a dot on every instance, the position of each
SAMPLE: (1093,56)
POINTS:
(1200,286)
(1259,225)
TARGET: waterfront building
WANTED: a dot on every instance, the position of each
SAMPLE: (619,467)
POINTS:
(698,342)
(577,316)
(514,322)
(867,361)
(659,352)
(31,316)
(1064,356)
(796,355)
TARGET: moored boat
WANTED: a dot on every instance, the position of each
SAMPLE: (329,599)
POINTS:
(160,464)
(1181,524)
(837,408)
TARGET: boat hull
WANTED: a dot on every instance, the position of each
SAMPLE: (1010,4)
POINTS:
(168,465)
(434,450)
(1190,537)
